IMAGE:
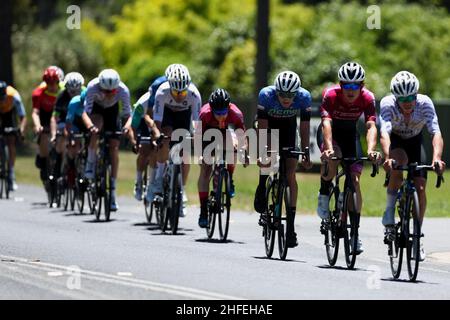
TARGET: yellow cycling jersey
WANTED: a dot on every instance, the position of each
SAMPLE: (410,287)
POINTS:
(7,104)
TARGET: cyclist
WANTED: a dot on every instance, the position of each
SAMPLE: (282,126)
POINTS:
(101,112)
(74,122)
(403,114)
(218,113)
(11,107)
(278,108)
(73,84)
(342,106)
(44,99)
(177,104)
(141,123)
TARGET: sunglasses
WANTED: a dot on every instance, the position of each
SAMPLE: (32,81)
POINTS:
(407,99)
(179,93)
(288,95)
(220,113)
(351,86)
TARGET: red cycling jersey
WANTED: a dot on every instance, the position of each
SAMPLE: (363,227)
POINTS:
(43,100)
(334,105)
(234,117)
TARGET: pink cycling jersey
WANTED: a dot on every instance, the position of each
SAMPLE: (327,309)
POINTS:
(234,117)
(334,106)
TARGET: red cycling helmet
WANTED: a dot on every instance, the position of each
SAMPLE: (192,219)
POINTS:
(51,75)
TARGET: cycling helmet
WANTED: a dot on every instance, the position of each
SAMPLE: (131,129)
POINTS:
(74,81)
(172,67)
(3,86)
(109,79)
(219,101)
(404,84)
(287,81)
(179,78)
(60,73)
(351,72)
(51,74)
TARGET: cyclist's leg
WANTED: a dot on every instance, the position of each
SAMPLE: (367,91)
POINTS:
(44,150)
(203,191)
(420,177)
(97,120)
(60,147)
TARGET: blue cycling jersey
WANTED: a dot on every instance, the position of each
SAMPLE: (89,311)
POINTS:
(76,107)
(153,88)
(270,106)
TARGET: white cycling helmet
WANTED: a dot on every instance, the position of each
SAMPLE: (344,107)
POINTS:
(179,78)
(287,81)
(172,67)
(109,79)
(74,81)
(351,72)
(404,84)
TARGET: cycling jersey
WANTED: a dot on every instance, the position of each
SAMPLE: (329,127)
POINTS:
(270,107)
(12,101)
(75,111)
(234,118)
(62,104)
(95,95)
(165,100)
(393,121)
(43,100)
(334,106)
(139,110)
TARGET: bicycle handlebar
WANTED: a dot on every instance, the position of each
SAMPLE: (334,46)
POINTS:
(375,166)
(415,167)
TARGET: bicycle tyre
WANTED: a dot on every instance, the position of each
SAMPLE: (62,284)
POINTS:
(332,234)
(350,224)
(177,199)
(413,243)
(268,229)
(212,205)
(224,205)
(107,191)
(282,228)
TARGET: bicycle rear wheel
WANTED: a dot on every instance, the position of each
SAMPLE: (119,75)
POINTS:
(413,242)
(224,205)
(395,251)
(284,205)
(330,229)
(268,228)
(3,176)
(351,229)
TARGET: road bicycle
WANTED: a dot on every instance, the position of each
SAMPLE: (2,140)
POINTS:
(343,221)
(275,220)
(5,179)
(407,230)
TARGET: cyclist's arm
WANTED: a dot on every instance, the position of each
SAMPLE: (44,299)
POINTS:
(36,119)
(327,134)
(438,146)
(53,127)
(20,110)
(87,120)
(371,136)
(385,127)
(305,118)
(158,108)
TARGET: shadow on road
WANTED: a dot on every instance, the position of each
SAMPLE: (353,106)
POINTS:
(99,221)
(76,214)
(341,268)
(218,241)
(406,281)
(278,259)
(39,204)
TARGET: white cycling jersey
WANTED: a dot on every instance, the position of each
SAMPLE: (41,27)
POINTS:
(164,99)
(392,120)
(95,94)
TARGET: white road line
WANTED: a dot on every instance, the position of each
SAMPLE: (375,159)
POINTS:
(110,278)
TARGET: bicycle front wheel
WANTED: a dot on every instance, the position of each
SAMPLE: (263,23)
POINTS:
(351,229)
(223,205)
(107,192)
(284,205)
(413,242)
(177,198)
(268,228)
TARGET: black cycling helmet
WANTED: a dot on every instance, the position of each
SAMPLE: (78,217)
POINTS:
(3,86)
(219,101)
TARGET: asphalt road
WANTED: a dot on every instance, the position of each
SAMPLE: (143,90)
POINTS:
(51,254)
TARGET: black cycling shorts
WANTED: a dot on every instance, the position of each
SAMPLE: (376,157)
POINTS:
(287,132)
(7,120)
(413,148)
(110,116)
